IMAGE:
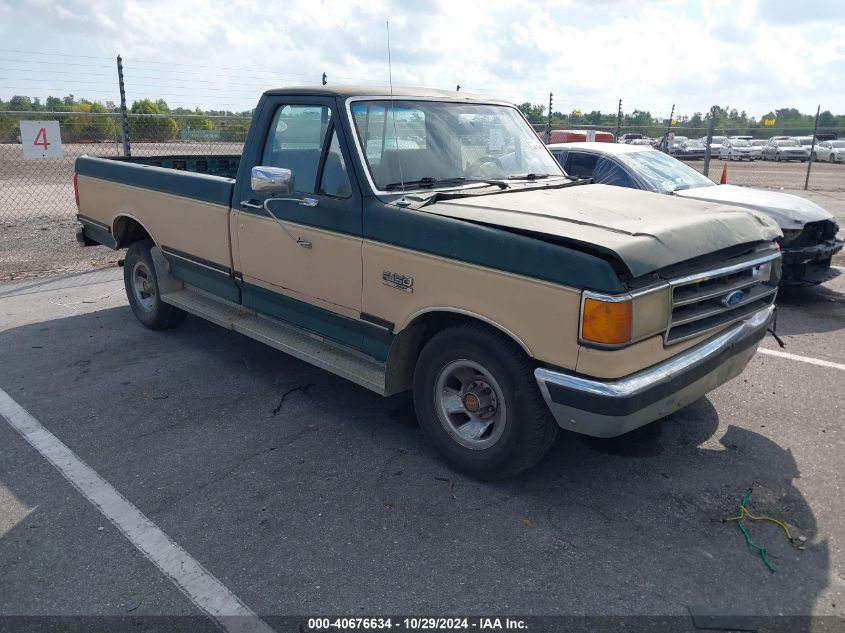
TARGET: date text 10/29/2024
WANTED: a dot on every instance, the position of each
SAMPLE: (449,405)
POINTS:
(416,624)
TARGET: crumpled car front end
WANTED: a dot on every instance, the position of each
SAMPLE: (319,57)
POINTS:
(807,253)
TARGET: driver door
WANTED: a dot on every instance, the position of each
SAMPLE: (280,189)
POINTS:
(300,254)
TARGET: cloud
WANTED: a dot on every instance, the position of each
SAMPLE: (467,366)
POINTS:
(749,54)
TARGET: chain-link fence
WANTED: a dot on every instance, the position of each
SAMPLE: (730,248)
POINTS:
(773,158)
(37,207)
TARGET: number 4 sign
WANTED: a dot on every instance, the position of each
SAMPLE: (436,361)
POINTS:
(41,139)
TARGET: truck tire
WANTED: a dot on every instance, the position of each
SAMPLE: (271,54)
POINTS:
(478,403)
(142,289)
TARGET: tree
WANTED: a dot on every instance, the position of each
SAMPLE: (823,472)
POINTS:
(151,124)
(20,103)
(92,123)
(533,112)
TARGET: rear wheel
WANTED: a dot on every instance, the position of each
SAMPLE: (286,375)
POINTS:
(143,292)
(478,403)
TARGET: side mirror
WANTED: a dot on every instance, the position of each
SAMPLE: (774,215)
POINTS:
(272,180)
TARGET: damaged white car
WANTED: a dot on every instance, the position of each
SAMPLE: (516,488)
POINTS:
(809,232)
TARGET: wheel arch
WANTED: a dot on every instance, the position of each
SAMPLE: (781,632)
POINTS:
(127,229)
(419,328)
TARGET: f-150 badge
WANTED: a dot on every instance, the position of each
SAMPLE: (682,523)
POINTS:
(397,280)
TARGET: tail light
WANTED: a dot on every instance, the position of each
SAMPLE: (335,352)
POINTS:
(76,189)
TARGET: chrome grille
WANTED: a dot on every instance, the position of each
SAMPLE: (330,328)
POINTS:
(699,300)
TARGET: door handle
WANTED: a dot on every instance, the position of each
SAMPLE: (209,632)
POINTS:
(303,243)
(309,202)
(251,204)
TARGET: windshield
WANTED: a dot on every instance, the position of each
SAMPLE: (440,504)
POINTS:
(413,144)
(837,143)
(740,143)
(787,144)
(693,143)
(663,173)
(719,139)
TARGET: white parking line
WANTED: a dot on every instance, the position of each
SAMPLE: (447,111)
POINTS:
(203,589)
(803,359)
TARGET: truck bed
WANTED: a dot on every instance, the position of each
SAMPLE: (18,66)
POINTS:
(223,165)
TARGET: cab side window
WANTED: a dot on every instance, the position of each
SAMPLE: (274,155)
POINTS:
(296,142)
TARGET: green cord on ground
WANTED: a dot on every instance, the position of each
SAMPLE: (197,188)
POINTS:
(743,511)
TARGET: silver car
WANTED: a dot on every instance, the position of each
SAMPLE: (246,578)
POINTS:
(757,148)
(736,149)
(786,149)
(830,151)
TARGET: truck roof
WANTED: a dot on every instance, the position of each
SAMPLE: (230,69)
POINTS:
(345,92)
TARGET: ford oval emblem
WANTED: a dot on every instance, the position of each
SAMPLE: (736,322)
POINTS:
(733,298)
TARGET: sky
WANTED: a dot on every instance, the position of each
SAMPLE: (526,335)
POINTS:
(752,55)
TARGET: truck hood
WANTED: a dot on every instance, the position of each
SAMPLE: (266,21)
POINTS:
(790,212)
(646,231)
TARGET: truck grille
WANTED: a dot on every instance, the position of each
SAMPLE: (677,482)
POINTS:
(714,298)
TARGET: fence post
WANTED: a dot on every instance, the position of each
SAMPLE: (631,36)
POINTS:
(124,119)
(666,147)
(549,121)
(619,120)
(812,148)
(711,126)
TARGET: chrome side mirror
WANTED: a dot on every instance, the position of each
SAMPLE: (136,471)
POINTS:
(272,180)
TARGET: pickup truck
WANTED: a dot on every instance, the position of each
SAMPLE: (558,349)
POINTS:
(427,240)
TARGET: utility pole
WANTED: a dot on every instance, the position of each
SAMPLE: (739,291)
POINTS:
(668,129)
(324,79)
(711,127)
(124,119)
(549,121)
(812,148)
(458,88)
(619,120)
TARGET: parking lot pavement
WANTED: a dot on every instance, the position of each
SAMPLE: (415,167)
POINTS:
(304,494)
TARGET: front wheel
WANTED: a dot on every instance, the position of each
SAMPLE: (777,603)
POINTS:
(478,403)
(143,292)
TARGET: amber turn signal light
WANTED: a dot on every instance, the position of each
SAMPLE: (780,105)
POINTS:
(607,322)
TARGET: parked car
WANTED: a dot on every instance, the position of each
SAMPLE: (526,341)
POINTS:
(508,297)
(830,151)
(690,149)
(784,150)
(674,144)
(757,147)
(809,232)
(804,141)
(736,149)
(715,144)
(642,141)
(742,137)
(630,136)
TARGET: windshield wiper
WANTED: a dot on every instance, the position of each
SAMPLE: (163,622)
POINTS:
(527,176)
(428,181)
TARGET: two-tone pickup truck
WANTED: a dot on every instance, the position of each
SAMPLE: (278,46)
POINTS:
(428,240)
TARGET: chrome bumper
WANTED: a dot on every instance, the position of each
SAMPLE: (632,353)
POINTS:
(611,408)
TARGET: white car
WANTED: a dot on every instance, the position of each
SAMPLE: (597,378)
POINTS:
(715,144)
(735,149)
(757,148)
(830,151)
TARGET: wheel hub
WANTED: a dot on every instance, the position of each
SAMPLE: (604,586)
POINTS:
(480,400)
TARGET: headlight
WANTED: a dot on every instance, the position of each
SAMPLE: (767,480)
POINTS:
(622,319)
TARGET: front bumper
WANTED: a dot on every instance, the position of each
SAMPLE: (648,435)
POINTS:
(810,265)
(610,408)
